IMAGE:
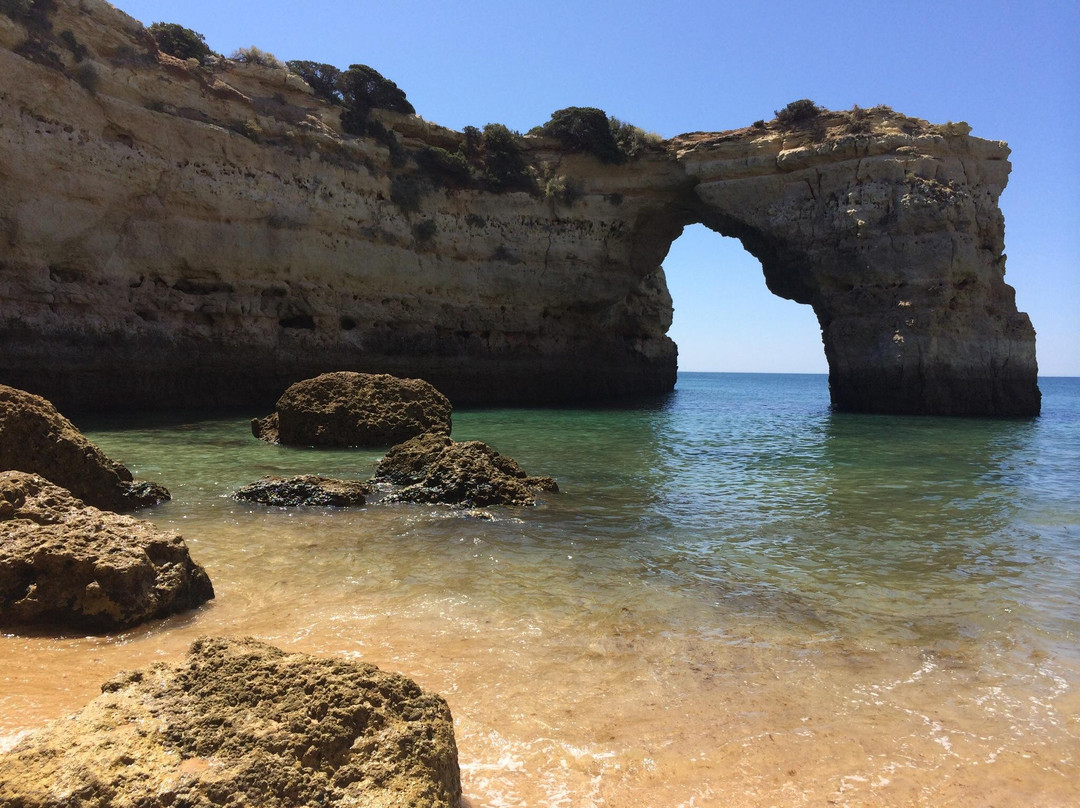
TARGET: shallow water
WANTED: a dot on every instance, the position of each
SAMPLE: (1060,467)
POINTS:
(738,598)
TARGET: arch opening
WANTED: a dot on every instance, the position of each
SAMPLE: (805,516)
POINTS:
(725,317)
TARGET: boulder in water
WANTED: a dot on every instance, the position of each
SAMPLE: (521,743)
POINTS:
(69,565)
(434,468)
(354,409)
(36,438)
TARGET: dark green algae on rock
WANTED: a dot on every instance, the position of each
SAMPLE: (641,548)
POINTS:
(304,490)
(241,723)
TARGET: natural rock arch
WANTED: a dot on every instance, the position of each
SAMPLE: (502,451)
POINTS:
(896,242)
(188,236)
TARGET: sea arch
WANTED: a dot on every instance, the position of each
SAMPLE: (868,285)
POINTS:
(896,242)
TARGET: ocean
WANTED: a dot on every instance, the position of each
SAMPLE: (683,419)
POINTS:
(737,598)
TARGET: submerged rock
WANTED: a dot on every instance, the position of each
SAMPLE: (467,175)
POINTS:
(307,489)
(434,468)
(67,564)
(354,409)
(36,438)
(239,723)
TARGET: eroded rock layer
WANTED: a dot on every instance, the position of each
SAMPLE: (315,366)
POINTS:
(180,235)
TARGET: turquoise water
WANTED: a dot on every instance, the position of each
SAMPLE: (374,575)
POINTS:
(736,593)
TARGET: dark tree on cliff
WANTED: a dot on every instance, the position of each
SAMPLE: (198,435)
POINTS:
(364,88)
(797,112)
(322,78)
(504,167)
(584,129)
(183,43)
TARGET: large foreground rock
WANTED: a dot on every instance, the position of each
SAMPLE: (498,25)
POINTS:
(434,468)
(355,409)
(67,564)
(36,438)
(240,723)
(306,489)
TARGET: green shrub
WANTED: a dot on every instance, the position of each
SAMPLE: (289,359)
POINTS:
(584,129)
(256,56)
(798,112)
(474,142)
(632,140)
(561,189)
(78,50)
(322,78)
(406,191)
(183,43)
(425,230)
(364,88)
(447,168)
(504,167)
(87,76)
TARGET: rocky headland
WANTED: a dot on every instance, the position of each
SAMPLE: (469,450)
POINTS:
(185,234)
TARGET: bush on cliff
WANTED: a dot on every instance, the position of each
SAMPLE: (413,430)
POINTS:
(632,140)
(320,77)
(584,129)
(364,88)
(183,43)
(444,167)
(504,167)
(798,112)
(256,56)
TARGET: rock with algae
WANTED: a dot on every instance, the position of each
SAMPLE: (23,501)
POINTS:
(354,409)
(36,438)
(68,565)
(240,723)
(434,468)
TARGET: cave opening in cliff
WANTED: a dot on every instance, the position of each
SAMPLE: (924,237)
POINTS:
(726,319)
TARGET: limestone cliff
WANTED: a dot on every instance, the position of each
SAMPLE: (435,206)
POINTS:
(176,234)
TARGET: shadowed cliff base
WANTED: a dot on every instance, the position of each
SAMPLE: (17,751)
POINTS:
(189,233)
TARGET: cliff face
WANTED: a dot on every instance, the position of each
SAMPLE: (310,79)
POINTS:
(180,235)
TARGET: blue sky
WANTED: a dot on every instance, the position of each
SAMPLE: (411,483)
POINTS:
(1010,69)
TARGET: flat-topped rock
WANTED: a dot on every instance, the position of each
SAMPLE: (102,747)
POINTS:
(306,489)
(36,438)
(240,723)
(68,565)
(355,409)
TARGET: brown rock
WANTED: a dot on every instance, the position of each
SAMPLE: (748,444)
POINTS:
(355,409)
(469,473)
(35,438)
(240,723)
(70,565)
(306,489)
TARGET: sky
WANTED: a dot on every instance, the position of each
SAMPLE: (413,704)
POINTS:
(1010,69)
